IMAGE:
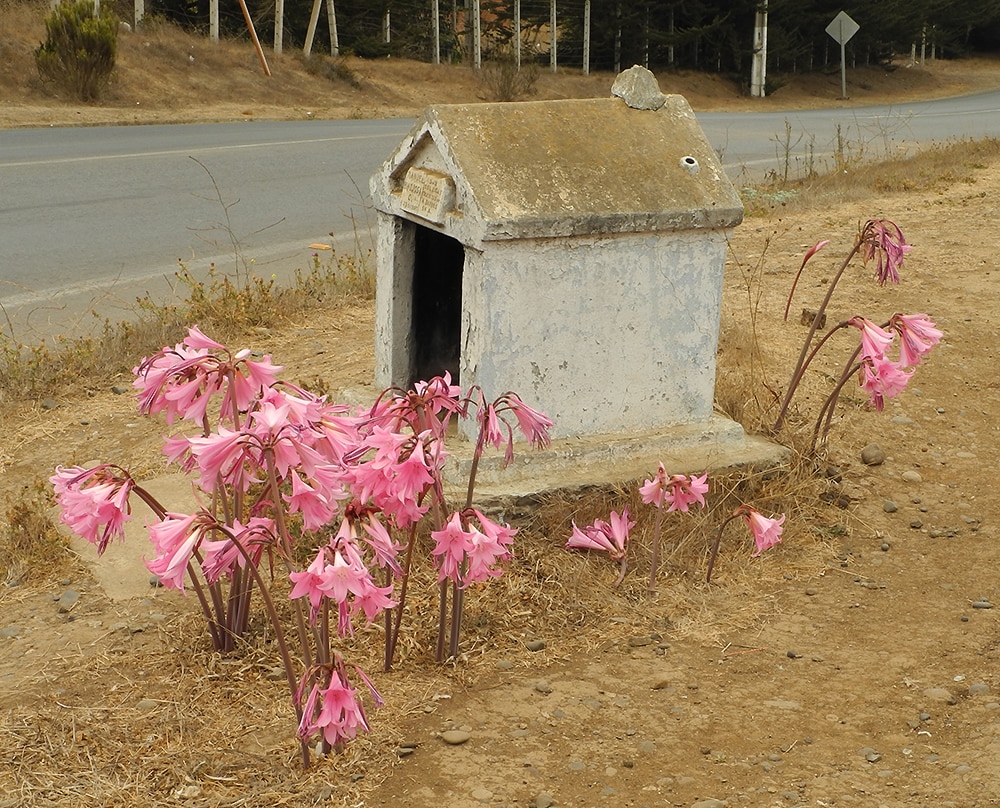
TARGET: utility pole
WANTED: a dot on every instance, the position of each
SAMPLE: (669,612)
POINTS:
(758,73)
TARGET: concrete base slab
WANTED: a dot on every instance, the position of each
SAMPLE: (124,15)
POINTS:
(121,572)
(605,460)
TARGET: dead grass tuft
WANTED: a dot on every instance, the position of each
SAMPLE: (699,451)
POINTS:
(228,306)
(30,543)
(934,168)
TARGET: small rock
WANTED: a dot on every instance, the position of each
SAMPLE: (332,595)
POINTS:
(982,604)
(577,766)
(155,582)
(119,389)
(543,687)
(67,600)
(639,642)
(49,404)
(916,524)
(889,506)
(535,645)
(979,689)
(637,87)
(146,704)
(660,684)
(884,547)
(911,476)
(940,694)
(482,795)
(455,737)
(793,655)
(710,803)
(873,455)
(869,754)
(9,631)
(544,800)
(504,665)
(810,592)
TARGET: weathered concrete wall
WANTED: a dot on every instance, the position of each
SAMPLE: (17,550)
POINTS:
(394,255)
(605,334)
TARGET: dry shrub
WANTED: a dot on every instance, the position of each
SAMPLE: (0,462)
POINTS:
(30,542)
(502,79)
(78,54)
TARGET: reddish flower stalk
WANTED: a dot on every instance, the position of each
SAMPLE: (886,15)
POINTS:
(880,240)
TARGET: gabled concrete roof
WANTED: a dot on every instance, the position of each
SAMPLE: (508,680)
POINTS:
(542,169)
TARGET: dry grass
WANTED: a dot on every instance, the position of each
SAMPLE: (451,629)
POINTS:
(227,306)
(935,167)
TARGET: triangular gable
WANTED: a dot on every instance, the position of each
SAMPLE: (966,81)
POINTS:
(556,168)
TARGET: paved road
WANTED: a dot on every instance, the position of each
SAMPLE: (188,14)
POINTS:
(754,143)
(92,217)
(96,216)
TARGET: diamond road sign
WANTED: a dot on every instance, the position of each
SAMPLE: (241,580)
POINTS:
(842,28)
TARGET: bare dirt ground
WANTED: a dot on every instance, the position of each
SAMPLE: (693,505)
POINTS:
(854,664)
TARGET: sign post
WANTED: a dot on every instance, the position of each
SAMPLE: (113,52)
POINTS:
(842,29)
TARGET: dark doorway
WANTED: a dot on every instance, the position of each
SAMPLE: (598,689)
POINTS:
(437,304)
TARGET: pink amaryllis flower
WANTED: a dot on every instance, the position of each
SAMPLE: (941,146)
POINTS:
(884,241)
(917,335)
(468,552)
(93,503)
(181,381)
(175,538)
(609,537)
(678,491)
(766,532)
(427,405)
(805,260)
(334,711)
(496,430)
(490,547)
(875,340)
(222,557)
(882,378)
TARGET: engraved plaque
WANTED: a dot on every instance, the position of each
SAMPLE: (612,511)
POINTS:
(427,194)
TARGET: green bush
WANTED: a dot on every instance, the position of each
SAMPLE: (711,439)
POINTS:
(78,54)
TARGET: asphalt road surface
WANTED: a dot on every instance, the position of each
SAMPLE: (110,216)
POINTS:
(91,218)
